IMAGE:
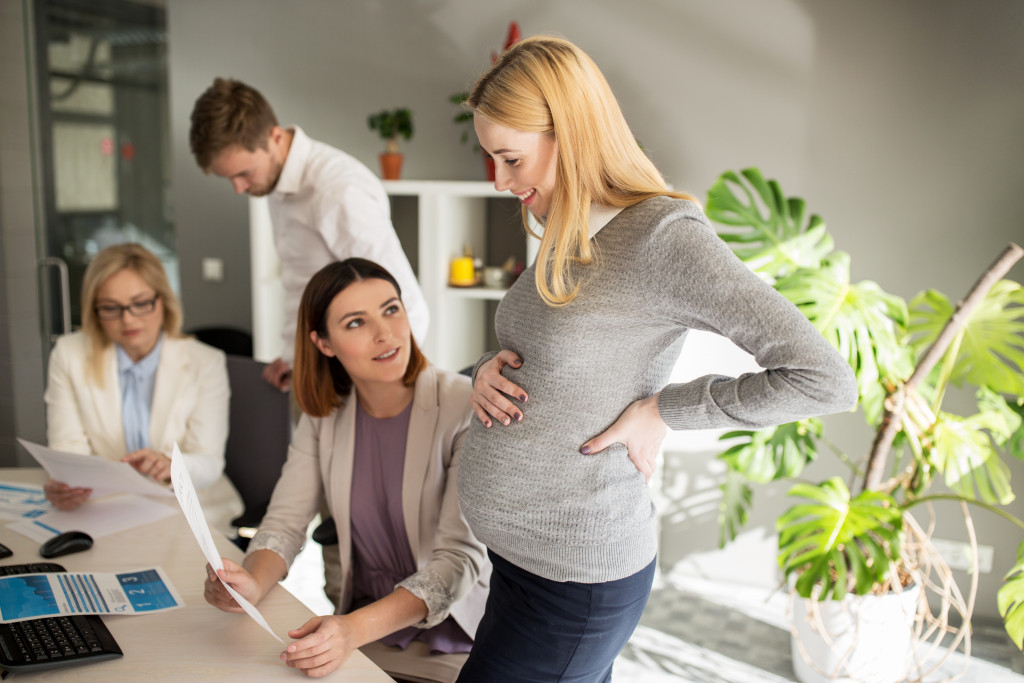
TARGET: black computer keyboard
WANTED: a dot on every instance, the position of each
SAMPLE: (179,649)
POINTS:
(49,642)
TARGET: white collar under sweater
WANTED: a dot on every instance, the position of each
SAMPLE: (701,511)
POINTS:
(600,216)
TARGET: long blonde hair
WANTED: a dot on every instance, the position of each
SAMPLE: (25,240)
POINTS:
(104,265)
(545,84)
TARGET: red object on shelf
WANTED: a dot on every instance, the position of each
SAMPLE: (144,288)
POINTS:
(511,39)
(513,35)
(489,166)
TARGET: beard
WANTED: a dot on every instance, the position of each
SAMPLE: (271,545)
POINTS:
(275,174)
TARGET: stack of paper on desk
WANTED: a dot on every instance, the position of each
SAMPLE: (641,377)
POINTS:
(96,517)
(101,514)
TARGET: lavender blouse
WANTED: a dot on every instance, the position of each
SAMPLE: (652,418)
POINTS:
(381,555)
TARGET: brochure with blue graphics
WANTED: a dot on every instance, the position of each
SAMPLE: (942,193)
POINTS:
(140,591)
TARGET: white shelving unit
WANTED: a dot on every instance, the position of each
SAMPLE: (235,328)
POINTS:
(435,220)
(442,217)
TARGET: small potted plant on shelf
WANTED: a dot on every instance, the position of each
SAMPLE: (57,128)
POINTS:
(464,117)
(843,551)
(390,124)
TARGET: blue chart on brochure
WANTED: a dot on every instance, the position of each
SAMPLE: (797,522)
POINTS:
(141,591)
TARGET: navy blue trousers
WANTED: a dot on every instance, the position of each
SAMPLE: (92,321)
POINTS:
(540,631)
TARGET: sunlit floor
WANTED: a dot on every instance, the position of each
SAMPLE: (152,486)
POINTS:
(699,630)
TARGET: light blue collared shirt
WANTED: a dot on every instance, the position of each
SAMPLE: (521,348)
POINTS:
(138,381)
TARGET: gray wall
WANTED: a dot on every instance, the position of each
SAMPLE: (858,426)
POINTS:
(21,347)
(900,122)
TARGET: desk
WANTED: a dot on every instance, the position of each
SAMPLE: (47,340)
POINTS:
(197,642)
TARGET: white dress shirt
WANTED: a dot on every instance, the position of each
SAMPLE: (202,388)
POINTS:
(327,206)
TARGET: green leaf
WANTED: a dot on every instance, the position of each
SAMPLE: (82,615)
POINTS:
(774,453)
(963,451)
(1005,418)
(392,123)
(864,323)
(776,236)
(734,507)
(1015,443)
(834,535)
(1010,600)
(992,351)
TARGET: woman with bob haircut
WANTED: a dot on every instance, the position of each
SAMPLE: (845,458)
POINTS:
(574,407)
(129,385)
(379,442)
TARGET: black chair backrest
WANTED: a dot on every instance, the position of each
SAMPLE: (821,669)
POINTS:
(260,431)
(230,340)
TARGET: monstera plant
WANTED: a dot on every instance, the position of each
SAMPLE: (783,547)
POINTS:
(835,541)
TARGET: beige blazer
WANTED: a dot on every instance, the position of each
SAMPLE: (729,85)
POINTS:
(319,468)
(190,407)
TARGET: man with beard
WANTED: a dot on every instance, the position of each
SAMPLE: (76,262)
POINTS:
(325,205)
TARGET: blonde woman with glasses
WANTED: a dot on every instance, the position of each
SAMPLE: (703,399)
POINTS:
(129,385)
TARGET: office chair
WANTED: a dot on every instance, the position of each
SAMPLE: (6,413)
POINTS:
(258,438)
(230,340)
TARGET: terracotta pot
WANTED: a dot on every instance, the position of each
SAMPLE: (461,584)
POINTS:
(390,166)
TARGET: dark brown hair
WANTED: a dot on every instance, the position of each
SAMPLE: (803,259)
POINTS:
(229,113)
(320,382)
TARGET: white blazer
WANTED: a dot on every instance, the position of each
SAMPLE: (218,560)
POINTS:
(190,407)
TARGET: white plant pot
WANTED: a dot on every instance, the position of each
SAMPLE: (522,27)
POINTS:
(859,639)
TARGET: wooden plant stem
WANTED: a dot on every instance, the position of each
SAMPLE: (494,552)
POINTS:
(895,404)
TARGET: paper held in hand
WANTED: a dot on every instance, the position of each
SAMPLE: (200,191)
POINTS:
(186,494)
(99,474)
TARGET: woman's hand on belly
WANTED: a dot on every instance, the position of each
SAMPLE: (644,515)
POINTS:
(491,391)
(641,429)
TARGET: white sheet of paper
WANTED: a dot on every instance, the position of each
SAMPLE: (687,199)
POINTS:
(186,494)
(97,517)
(30,528)
(99,474)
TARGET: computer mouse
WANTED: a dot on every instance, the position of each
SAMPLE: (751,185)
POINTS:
(65,544)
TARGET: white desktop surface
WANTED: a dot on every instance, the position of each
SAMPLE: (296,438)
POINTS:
(195,643)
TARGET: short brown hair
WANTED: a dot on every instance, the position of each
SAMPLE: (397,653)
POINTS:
(229,113)
(105,265)
(319,381)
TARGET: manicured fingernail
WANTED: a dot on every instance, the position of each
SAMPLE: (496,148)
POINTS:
(519,417)
(585,450)
(522,397)
(517,362)
(487,424)
(504,420)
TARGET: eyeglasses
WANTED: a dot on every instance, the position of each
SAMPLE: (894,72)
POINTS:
(136,308)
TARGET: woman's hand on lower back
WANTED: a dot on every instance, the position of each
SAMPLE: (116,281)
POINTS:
(641,429)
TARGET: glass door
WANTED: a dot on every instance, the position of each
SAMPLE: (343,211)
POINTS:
(104,140)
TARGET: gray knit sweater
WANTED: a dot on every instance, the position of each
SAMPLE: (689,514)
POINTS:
(526,490)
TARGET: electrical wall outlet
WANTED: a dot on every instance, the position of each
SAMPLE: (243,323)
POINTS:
(213,270)
(957,554)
